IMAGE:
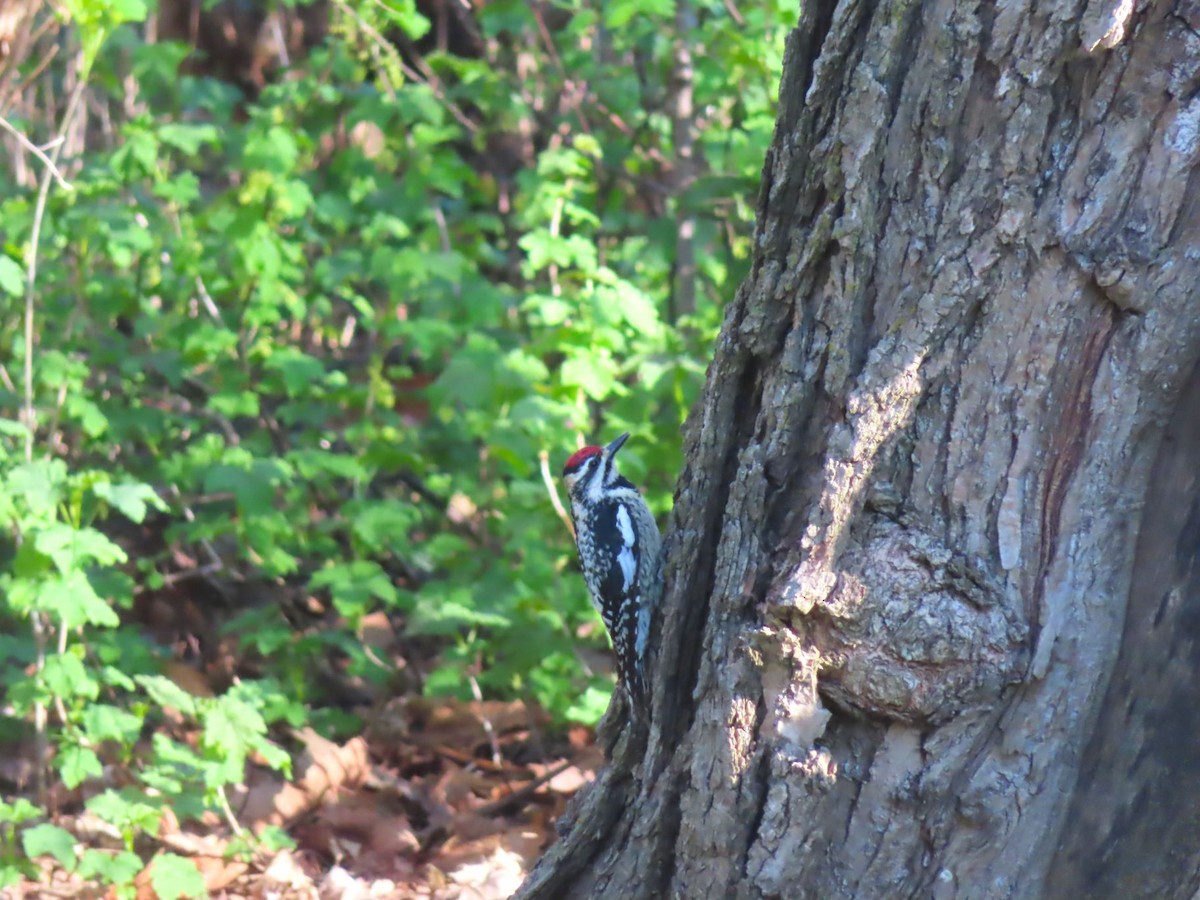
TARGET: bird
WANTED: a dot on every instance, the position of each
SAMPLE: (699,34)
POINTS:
(620,553)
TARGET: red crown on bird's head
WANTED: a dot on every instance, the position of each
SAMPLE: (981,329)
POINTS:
(579,456)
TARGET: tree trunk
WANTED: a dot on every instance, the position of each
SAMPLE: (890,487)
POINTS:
(932,618)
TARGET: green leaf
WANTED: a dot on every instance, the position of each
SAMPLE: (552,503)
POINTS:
(117,868)
(12,276)
(138,155)
(188,136)
(127,11)
(299,370)
(47,839)
(64,675)
(275,756)
(634,306)
(87,414)
(13,428)
(166,693)
(13,875)
(382,525)
(104,722)
(273,839)
(72,548)
(451,612)
(231,725)
(590,705)
(77,764)
(354,585)
(618,14)
(174,876)
(253,487)
(590,371)
(125,809)
(39,484)
(548,311)
(404,14)
(310,463)
(72,598)
(273,150)
(20,810)
(130,498)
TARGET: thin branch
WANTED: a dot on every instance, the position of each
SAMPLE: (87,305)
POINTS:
(206,299)
(227,810)
(683,136)
(63,634)
(38,621)
(488,728)
(26,37)
(38,152)
(544,459)
(39,215)
(584,665)
(280,40)
(555,230)
(523,793)
(205,571)
(213,556)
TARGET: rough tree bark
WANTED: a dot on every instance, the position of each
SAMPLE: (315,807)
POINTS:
(933,601)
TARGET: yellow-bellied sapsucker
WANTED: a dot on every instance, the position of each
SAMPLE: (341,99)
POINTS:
(620,552)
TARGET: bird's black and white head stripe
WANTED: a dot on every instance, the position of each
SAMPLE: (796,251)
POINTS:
(592,471)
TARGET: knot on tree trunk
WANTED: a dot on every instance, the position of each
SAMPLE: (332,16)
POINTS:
(913,632)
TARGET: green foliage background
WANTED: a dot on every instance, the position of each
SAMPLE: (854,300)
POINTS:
(311,342)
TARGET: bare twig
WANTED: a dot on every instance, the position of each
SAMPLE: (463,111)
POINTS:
(280,41)
(347,334)
(204,571)
(487,723)
(584,665)
(524,791)
(683,127)
(544,459)
(38,151)
(214,557)
(38,621)
(547,40)
(26,34)
(42,63)
(228,812)
(206,300)
(59,706)
(555,230)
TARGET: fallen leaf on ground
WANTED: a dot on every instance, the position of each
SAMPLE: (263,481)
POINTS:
(324,768)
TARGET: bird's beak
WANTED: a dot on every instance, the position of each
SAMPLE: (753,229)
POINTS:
(612,448)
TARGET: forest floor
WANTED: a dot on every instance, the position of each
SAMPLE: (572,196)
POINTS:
(434,798)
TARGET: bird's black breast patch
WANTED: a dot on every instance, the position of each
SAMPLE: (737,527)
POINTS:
(615,554)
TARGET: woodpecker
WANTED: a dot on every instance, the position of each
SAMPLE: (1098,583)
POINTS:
(620,553)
